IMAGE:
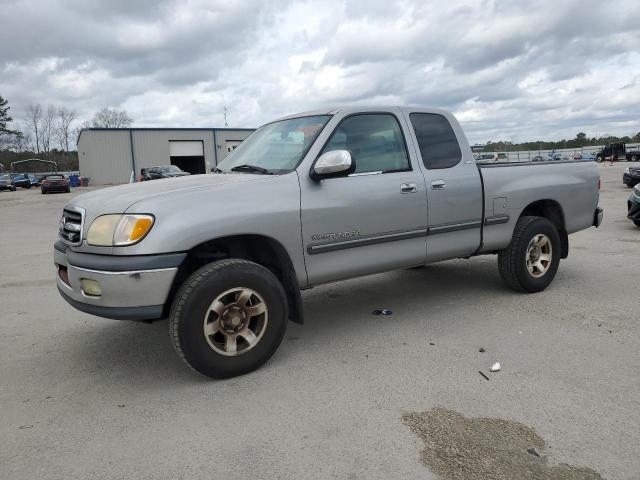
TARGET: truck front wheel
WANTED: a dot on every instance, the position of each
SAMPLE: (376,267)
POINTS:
(531,260)
(228,318)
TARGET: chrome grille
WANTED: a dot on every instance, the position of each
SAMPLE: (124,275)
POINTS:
(71,225)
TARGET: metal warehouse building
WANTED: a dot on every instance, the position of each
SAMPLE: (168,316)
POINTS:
(109,155)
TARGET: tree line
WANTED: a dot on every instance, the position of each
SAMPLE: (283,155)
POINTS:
(580,141)
(50,133)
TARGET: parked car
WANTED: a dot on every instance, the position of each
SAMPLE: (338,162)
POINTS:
(539,158)
(633,206)
(311,199)
(55,183)
(20,180)
(558,157)
(6,183)
(33,180)
(166,171)
(584,156)
(631,176)
(492,157)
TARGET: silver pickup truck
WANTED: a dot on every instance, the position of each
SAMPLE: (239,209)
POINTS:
(309,199)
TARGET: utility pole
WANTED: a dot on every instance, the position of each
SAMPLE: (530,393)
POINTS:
(226,124)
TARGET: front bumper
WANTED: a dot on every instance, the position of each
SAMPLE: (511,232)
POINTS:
(132,287)
(633,207)
(630,180)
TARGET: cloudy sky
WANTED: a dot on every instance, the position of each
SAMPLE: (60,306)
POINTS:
(514,70)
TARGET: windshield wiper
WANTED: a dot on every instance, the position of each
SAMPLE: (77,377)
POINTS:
(217,170)
(251,168)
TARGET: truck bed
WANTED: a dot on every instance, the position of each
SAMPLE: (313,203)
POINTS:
(509,188)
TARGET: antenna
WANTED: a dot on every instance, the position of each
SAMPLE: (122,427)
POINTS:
(226,124)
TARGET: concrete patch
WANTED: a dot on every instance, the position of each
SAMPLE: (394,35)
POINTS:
(457,447)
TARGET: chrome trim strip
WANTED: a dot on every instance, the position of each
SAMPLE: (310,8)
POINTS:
(129,273)
(368,240)
(314,249)
(454,227)
(496,220)
(364,174)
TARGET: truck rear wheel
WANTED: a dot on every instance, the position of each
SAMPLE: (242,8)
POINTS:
(531,260)
(228,318)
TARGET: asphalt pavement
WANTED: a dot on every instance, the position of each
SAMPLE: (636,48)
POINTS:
(84,397)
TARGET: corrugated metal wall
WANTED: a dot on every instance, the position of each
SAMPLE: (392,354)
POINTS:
(105,156)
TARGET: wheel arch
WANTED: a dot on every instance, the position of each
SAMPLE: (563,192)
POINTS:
(552,211)
(261,249)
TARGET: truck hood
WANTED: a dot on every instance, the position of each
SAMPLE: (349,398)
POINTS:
(119,199)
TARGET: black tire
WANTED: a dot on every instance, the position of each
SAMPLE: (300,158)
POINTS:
(636,223)
(68,190)
(599,158)
(43,191)
(192,302)
(512,261)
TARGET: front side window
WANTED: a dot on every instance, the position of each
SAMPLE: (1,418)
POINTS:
(375,142)
(438,144)
(277,147)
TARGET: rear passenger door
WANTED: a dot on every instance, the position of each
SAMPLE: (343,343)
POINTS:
(454,187)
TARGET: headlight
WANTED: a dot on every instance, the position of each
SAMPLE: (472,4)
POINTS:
(626,170)
(118,230)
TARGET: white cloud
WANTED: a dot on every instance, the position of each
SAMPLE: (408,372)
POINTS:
(509,69)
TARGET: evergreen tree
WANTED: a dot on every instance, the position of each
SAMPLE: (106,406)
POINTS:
(4,116)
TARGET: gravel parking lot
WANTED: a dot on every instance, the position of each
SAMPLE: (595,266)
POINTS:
(84,397)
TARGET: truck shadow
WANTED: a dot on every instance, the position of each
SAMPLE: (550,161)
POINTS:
(142,352)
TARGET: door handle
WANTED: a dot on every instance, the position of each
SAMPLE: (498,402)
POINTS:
(438,185)
(408,188)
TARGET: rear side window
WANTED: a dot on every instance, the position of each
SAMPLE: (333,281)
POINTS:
(438,144)
(374,140)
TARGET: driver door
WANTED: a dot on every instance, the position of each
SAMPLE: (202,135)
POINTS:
(374,219)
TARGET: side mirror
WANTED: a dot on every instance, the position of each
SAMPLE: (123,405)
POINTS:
(333,164)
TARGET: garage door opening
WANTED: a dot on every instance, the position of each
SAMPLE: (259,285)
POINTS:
(188,155)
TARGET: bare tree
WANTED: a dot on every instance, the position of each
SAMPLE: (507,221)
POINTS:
(47,129)
(112,118)
(33,119)
(63,127)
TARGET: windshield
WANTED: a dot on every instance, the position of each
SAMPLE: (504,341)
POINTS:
(4,177)
(278,146)
(54,177)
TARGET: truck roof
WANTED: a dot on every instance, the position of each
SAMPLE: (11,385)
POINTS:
(363,108)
